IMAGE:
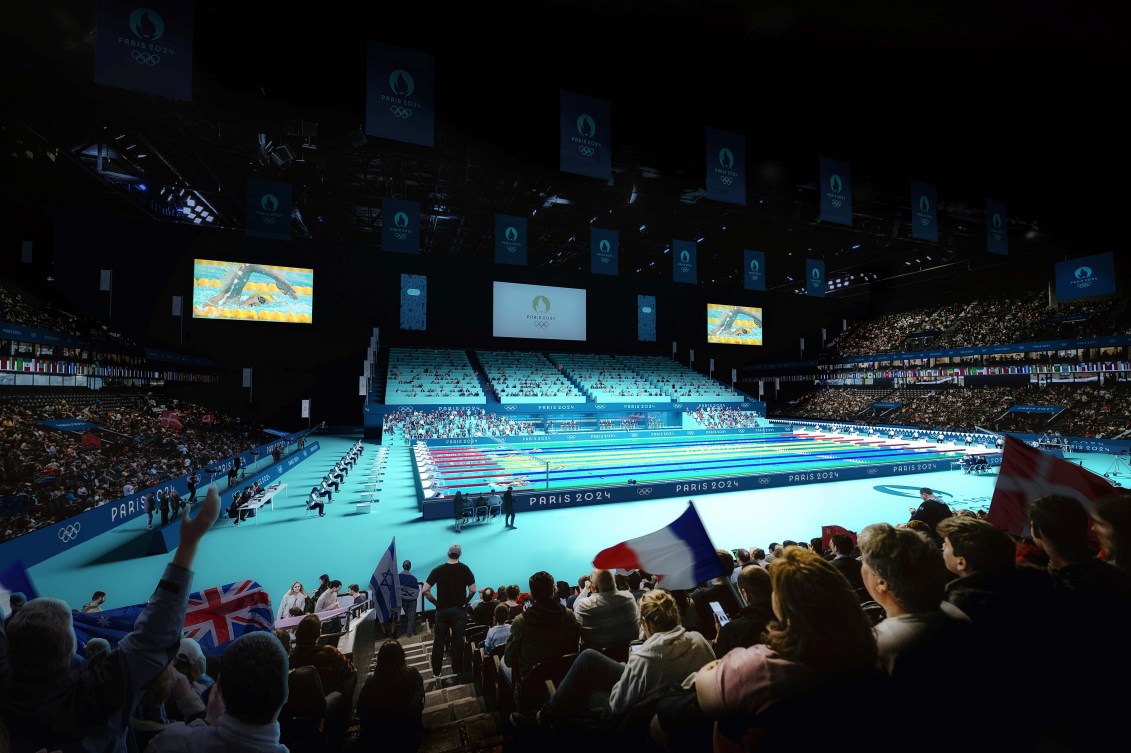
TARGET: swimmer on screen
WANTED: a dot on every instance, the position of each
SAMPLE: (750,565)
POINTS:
(232,287)
(727,325)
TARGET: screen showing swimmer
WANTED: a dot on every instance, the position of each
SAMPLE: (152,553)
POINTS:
(734,325)
(252,292)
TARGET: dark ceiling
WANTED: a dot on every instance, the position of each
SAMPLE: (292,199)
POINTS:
(1012,101)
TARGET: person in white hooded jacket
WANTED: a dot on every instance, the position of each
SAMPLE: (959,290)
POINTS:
(668,655)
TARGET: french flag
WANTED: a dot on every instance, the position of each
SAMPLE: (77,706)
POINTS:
(681,552)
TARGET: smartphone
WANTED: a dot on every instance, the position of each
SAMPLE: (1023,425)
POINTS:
(717,608)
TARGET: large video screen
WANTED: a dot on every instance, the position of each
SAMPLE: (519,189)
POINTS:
(1086,277)
(734,325)
(252,292)
(539,312)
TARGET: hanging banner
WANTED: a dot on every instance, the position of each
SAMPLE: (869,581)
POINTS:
(586,136)
(414,302)
(726,167)
(106,280)
(815,277)
(835,188)
(400,226)
(924,214)
(145,49)
(684,262)
(362,386)
(1085,277)
(510,240)
(178,304)
(305,409)
(997,228)
(754,270)
(268,210)
(400,94)
(247,377)
(604,251)
(646,319)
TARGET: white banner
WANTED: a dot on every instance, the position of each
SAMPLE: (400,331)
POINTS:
(247,377)
(365,369)
(362,386)
(803,343)
(691,356)
(305,409)
(177,303)
(538,312)
(673,347)
(733,376)
(712,364)
(105,279)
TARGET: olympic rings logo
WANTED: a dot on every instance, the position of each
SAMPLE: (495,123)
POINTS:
(634,435)
(145,58)
(400,112)
(541,325)
(763,481)
(586,151)
(836,203)
(645,491)
(726,181)
(511,406)
(70,532)
(268,219)
(872,471)
(400,235)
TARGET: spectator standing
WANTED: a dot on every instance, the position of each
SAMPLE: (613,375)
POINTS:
(410,594)
(455,587)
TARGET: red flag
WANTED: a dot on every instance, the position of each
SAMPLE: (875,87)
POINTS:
(171,419)
(827,533)
(90,439)
(1027,473)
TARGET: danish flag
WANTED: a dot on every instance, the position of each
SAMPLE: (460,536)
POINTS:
(217,616)
(1027,473)
(171,419)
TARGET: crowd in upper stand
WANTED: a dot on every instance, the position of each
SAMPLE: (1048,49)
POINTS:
(1091,409)
(987,320)
(725,418)
(415,423)
(137,444)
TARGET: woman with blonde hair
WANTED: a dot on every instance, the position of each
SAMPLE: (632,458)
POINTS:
(296,597)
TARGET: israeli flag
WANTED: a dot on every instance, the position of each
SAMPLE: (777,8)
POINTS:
(385,585)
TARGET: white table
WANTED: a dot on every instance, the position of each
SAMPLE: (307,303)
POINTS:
(263,498)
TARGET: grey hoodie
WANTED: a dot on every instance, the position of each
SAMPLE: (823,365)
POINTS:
(664,658)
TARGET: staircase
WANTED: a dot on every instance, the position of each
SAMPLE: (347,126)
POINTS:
(455,716)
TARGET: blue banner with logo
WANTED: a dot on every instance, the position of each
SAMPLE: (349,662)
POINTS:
(604,251)
(70,424)
(835,189)
(414,302)
(586,136)
(510,240)
(400,101)
(400,226)
(684,262)
(1085,277)
(726,167)
(924,214)
(268,209)
(1035,409)
(646,318)
(145,49)
(753,270)
(815,277)
(997,228)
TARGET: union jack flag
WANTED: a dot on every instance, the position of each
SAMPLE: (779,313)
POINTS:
(217,616)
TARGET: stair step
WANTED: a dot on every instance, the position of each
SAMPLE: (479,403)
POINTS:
(478,732)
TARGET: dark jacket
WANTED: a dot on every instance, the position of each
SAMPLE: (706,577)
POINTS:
(541,632)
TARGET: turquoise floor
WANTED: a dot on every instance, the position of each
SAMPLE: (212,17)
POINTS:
(347,544)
